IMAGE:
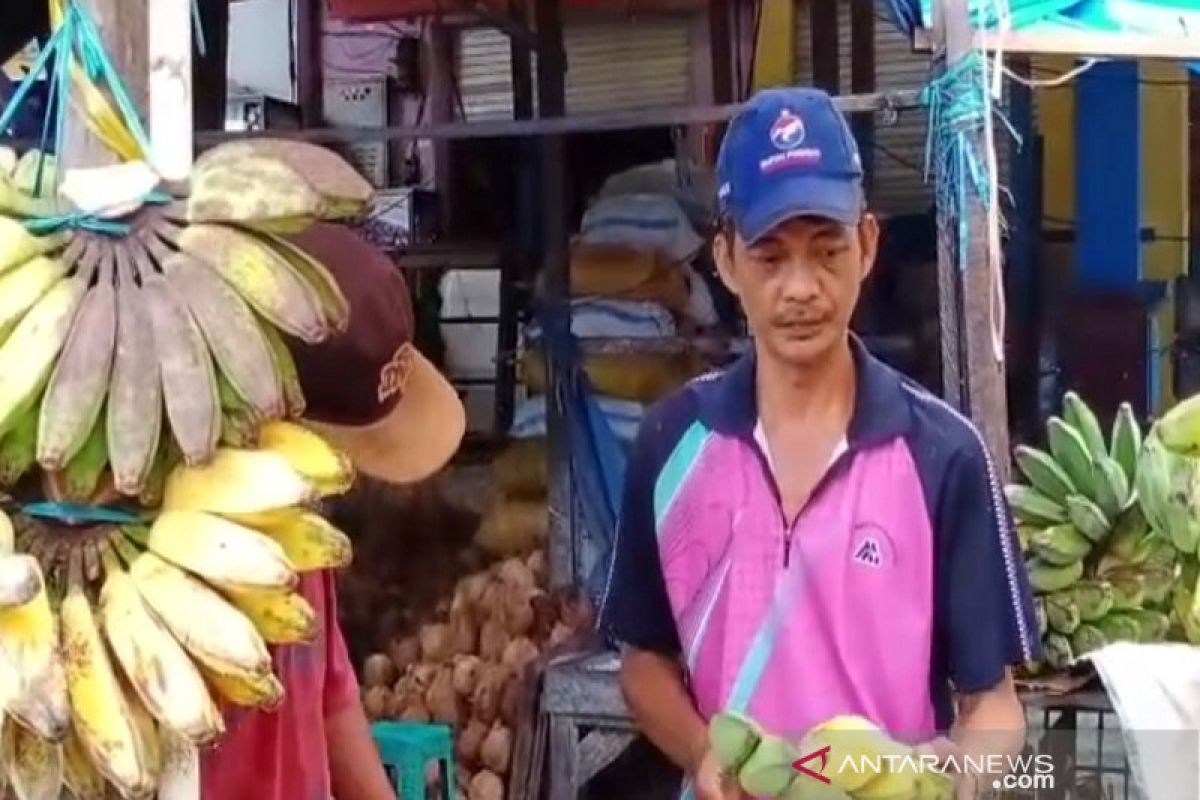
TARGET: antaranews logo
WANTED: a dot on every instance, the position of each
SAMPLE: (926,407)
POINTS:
(1024,772)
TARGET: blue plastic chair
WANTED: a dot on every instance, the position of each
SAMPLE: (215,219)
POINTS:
(407,747)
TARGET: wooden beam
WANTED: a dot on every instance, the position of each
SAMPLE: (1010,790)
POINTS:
(974,371)
(555,259)
(310,75)
(169,118)
(824,31)
(556,126)
(122,26)
(862,80)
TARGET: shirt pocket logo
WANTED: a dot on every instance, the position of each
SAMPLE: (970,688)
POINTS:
(871,546)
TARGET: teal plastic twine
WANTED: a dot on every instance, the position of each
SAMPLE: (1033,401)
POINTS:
(958,115)
(78,37)
(79,513)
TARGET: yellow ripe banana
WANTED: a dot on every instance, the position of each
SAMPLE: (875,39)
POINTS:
(20,579)
(102,717)
(865,751)
(330,175)
(7,534)
(281,617)
(180,778)
(135,406)
(215,633)
(35,766)
(309,540)
(232,331)
(252,189)
(29,353)
(309,454)
(223,553)
(44,706)
(261,276)
(32,683)
(285,365)
(79,773)
(237,481)
(23,286)
(331,301)
(18,245)
(260,690)
(165,679)
(77,386)
(146,734)
(189,378)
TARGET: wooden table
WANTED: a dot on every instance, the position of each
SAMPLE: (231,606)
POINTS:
(589,723)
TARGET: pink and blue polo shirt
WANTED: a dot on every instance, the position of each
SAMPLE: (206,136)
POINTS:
(898,584)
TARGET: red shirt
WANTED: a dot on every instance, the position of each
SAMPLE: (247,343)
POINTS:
(282,755)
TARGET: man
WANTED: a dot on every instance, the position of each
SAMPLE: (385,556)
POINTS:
(809,533)
(372,394)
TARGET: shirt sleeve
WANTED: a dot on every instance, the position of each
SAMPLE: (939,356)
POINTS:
(635,609)
(984,606)
(341,684)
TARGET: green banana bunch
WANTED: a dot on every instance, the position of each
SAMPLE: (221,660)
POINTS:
(1130,536)
(1057,651)
(1093,599)
(1071,451)
(1183,512)
(1087,638)
(1129,590)
(1039,613)
(1154,483)
(1044,473)
(1048,578)
(1062,615)
(1087,517)
(1126,441)
(1112,487)
(1120,627)
(1153,625)
(1179,428)
(1080,417)
(1032,507)
(1060,545)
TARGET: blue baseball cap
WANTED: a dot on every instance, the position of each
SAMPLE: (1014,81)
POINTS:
(788,153)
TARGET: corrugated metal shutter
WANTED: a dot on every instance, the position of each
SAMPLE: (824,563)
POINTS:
(898,184)
(611,66)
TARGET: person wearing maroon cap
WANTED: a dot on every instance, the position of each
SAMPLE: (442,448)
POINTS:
(371,393)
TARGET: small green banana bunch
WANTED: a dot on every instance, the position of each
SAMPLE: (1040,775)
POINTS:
(1102,526)
(1170,485)
(855,759)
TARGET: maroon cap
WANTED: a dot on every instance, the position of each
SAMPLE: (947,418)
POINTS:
(367,388)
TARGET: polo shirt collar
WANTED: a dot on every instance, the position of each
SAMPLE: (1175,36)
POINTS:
(881,409)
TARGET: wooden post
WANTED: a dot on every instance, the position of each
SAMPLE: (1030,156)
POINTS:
(973,374)
(122,26)
(169,29)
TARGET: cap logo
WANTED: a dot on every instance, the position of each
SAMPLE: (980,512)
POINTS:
(787,133)
(394,374)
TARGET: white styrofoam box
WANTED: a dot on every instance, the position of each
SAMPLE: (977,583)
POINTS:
(262,42)
(471,348)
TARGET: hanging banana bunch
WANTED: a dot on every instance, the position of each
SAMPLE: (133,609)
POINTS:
(158,487)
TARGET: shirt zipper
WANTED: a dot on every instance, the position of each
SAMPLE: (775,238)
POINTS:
(789,528)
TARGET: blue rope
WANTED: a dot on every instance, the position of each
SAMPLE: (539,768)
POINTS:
(957,101)
(78,37)
(75,512)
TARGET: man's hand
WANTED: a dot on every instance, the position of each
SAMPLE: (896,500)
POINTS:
(951,759)
(712,783)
